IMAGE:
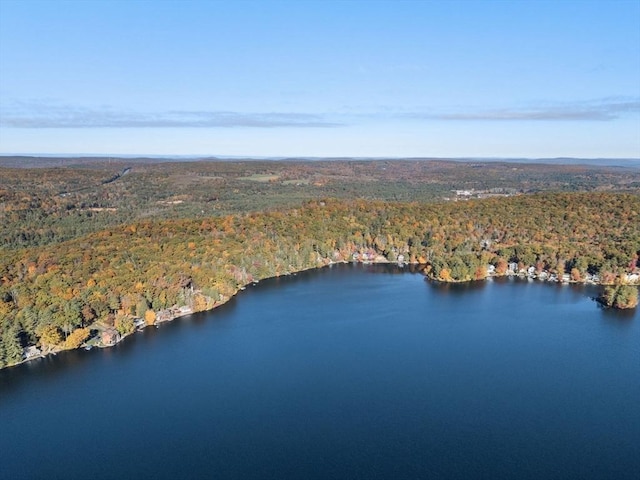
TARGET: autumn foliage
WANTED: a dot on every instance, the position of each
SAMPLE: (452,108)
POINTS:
(109,277)
(77,338)
(149,317)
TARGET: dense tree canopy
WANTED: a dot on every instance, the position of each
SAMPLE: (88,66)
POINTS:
(54,294)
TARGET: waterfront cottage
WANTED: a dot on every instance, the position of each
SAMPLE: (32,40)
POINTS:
(632,278)
(31,352)
(110,336)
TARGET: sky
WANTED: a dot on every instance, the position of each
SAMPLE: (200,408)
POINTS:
(472,78)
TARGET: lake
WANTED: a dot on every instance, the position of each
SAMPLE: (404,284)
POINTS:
(345,372)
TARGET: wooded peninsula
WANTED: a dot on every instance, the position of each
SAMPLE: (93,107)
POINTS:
(94,248)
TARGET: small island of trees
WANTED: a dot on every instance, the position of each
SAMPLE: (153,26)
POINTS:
(619,296)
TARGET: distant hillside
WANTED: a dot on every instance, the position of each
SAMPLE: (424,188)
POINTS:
(38,161)
(74,196)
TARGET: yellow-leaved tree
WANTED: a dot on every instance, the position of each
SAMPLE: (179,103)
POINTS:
(49,336)
(77,338)
(149,317)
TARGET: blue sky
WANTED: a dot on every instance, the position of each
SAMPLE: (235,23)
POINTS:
(529,78)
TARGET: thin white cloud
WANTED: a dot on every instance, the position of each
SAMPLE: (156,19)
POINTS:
(47,114)
(50,115)
(596,110)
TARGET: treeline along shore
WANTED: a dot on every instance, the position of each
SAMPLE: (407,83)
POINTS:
(96,289)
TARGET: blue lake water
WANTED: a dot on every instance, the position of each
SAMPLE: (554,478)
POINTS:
(345,372)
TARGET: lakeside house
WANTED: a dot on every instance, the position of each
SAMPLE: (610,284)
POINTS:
(110,337)
(631,278)
(31,352)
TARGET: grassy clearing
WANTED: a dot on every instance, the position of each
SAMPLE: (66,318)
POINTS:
(261,177)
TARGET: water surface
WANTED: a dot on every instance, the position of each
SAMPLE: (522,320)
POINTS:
(344,372)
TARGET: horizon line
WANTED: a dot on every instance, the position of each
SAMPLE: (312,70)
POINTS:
(301,157)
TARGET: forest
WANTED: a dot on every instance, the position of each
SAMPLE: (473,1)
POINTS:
(81,256)
(67,198)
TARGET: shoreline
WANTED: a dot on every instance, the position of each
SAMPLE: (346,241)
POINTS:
(379,260)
